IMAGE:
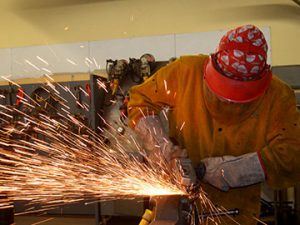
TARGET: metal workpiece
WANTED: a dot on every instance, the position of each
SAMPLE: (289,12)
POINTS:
(182,210)
(173,210)
(185,172)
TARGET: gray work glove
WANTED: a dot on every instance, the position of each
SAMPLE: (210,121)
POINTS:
(232,172)
(156,141)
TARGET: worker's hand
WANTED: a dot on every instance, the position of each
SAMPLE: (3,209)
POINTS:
(232,172)
(156,141)
(168,153)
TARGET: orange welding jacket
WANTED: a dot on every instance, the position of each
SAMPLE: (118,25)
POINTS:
(208,127)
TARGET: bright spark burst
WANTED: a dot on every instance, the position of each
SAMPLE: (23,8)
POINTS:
(42,60)
(56,161)
(31,64)
(44,161)
(71,61)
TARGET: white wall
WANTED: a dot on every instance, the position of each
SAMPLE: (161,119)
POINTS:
(28,62)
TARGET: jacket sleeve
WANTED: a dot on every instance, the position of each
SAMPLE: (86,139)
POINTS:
(281,155)
(156,92)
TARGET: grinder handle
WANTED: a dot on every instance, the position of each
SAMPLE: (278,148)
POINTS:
(200,170)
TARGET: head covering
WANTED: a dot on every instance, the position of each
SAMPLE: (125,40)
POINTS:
(240,72)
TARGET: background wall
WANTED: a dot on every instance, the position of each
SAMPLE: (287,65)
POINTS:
(36,22)
(85,57)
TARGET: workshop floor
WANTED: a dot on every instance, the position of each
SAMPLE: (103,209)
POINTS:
(52,220)
(71,220)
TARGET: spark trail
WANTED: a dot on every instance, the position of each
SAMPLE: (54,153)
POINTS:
(51,161)
(44,161)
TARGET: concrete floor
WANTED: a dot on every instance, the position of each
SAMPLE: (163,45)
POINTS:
(72,220)
(52,220)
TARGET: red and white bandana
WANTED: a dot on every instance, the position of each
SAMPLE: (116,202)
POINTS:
(242,53)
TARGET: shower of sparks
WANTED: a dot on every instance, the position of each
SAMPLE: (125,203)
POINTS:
(50,162)
(71,61)
(102,85)
(88,60)
(53,161)
(31,64)
(47,70)
(84,92)
(166,85)
(97,65)
(42,60)
(87,64)
(182,126)
(43,221)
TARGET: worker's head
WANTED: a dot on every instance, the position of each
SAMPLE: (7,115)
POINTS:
(238,70)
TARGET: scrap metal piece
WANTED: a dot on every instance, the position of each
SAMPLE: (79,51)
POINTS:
(172,210)
(185,172)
